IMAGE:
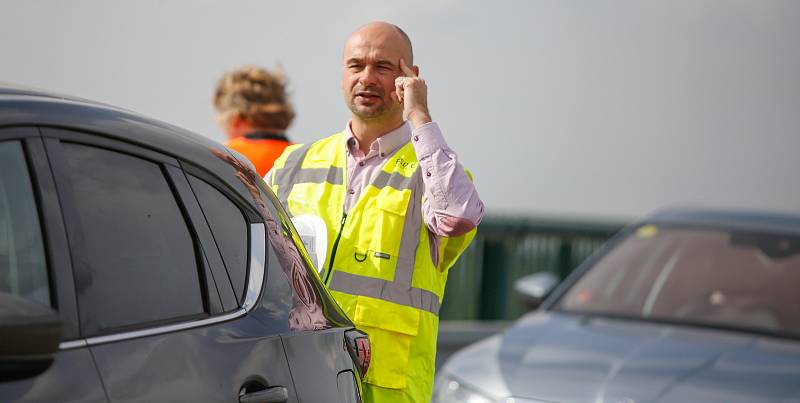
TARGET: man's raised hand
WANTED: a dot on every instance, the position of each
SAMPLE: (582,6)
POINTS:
(412,92)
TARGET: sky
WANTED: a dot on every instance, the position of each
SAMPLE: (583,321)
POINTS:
(607,109)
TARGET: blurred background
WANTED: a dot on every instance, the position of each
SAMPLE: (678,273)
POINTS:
(574,116)
(601,108)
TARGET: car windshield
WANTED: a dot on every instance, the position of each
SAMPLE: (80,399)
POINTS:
(700,276)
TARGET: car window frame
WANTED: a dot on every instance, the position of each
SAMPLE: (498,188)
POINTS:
(53,137)
(248,213)
(212,255)
(53,232)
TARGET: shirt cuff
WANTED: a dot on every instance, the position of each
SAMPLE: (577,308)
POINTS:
(453,226)
(427,139)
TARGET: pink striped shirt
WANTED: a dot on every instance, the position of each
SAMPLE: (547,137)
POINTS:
(450,207)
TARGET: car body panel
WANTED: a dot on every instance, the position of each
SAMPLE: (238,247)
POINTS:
(308,351)
(566,357)
(234,350)
(205,364)
(71,379)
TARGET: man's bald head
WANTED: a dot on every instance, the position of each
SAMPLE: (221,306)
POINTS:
(387,30)
(372,60)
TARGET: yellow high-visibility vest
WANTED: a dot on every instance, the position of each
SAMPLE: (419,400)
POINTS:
(378,264)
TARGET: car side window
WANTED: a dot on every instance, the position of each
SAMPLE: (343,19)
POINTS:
(23,269)
(138,262)
(229,228)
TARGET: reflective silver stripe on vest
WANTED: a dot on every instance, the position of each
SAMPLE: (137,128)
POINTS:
(385,290)
(395,180)
(404,272)
(283,176)
(332,175)
(293,173)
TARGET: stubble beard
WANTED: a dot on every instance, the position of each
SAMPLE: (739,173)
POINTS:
(368,114)
(383,112)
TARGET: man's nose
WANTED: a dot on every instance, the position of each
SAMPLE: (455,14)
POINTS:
(368,76)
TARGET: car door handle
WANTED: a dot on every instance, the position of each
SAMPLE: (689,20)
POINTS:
(275,394)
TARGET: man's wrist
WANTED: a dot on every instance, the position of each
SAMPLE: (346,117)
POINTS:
(418,118)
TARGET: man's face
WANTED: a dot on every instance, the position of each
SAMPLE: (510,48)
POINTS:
(371,64)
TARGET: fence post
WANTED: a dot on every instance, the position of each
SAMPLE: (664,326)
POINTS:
(564,257)
(494,270)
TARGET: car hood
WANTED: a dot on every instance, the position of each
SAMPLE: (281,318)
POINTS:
(559,357)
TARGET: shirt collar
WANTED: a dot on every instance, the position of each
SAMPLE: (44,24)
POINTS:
(386,144)
(262,135)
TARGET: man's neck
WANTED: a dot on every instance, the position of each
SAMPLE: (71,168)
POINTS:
(368,131)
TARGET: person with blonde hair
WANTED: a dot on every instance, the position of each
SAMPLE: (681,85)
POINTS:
(253,109)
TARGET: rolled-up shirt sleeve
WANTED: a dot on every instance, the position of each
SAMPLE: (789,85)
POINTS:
(451,206)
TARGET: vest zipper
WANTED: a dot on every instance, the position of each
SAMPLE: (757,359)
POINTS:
(333,252)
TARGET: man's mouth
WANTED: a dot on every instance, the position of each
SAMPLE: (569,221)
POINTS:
(367,95)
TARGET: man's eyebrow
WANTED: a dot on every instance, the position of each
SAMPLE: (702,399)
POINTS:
(380,62)
(386,63)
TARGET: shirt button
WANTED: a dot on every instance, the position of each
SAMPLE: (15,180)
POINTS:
(352,192)
(416,138)
(361,164)
(428,173)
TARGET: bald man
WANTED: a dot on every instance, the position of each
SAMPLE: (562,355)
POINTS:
(398,206)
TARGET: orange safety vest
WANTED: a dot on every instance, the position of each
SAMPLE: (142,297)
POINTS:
(261,148)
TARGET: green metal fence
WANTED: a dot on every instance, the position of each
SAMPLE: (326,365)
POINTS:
(479,286)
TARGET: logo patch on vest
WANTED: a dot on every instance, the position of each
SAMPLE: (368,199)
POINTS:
(382,255)
(405,164)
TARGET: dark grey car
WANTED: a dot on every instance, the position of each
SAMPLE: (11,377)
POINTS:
(143,263)
(686,306)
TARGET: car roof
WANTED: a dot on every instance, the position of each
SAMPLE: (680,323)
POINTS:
(7,88)
(23,106)
(729,219)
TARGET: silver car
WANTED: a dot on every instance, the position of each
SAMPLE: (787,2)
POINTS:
(686,306)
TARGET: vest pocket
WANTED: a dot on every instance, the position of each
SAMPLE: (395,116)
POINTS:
(385,224)
(393,200)
(391,329)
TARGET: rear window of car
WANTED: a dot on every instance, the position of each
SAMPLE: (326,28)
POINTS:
(138,264)
(704,276)
(229,228)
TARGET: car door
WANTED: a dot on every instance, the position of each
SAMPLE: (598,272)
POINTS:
(163,319)
(294,303)
(34,264)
